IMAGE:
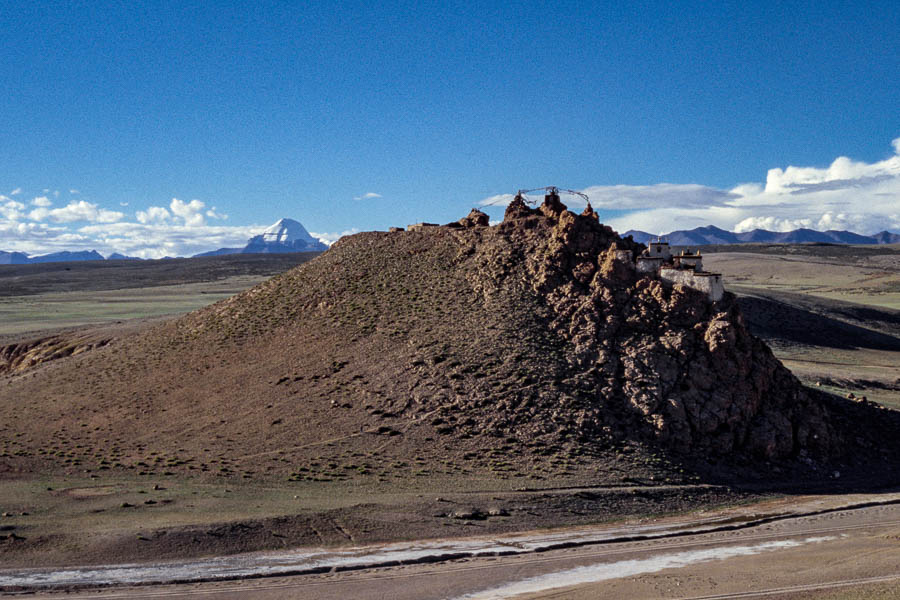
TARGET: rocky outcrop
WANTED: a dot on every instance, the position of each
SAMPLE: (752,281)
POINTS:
(517,209)
(18,357)
(651,358)
(475,218)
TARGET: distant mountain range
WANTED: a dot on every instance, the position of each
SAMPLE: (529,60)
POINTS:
(18,258)
(287,235)
(702,236)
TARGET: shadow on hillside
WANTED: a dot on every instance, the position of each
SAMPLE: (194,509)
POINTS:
(867,461)
(774,319)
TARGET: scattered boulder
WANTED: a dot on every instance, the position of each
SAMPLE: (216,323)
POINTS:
(475,218)
(468,515)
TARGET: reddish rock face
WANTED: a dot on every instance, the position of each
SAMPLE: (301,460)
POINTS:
(686,369)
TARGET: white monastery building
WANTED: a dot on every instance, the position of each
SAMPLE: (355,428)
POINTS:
(685,268)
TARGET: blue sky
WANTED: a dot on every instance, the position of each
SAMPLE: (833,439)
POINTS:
(356,116)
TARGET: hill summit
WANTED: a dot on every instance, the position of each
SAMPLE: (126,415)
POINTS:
(532,348)
(285,235)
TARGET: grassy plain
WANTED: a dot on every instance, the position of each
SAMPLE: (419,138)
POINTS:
(830,313)
(38,312)
(865,275)
(59,295)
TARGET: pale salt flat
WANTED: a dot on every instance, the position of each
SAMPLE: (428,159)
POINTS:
(629,568)
(303,559)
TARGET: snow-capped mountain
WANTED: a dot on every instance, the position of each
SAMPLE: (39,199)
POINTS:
(287,235)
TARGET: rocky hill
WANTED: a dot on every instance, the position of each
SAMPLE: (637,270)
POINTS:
(530,349)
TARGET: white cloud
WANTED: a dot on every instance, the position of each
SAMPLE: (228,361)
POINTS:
(625,197)
(632,197)
(38,238)
(498,200)
(76,211)
(829,220)
(214,214)
(132,239)
(41,201)
(177,230)
(155,240)
(330,238)
(843,173)
(16,192)
(367,196)
(663,220)
(154,214)
(73,191)
(190,212)
(11,210)
(847,194)
(772,224)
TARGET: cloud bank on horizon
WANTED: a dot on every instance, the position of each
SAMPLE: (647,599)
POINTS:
(179,229)
(852,195)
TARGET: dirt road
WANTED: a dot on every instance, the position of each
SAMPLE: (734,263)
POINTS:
(736,556)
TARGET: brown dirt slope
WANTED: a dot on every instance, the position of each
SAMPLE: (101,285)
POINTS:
(530,348)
